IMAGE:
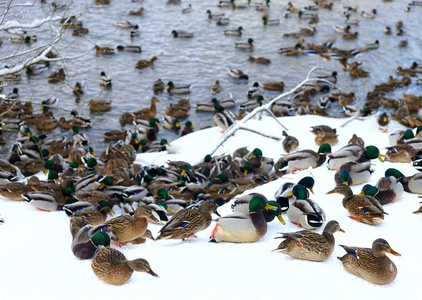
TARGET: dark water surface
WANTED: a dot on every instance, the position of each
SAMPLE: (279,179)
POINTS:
(203,59)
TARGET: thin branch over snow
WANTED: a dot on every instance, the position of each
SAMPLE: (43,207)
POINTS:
(267,107)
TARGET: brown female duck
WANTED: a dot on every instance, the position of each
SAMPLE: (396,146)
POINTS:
(110,265)
(371,264)
(147,113)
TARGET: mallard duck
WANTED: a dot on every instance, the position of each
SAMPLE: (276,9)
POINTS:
(223,118)
(292,51)
(368,14)
(404,72)
(352,152)
(111,266)
(20,39)
(115,135)
(386,190)
(178,89)
(88,239)
(284,195)
(325,134)
(147,113)
(250,105)
(243,45)
(351,21)
(236,73)
(235,32)
(411,184)
(216,87)
(44,201)
(104,79)
(93,216)
(365,209)
(404,153)
(254,91)
(341,29)
(212,16)
(259,60)
(290,142)
(57,76)
(103,50)
(187,10)
(14,190)
(309,245)
(138,12)
(303,211)
(243,228)
(353,173)
(135,31)
(223,21)
(303,159)
(127,227)
(181,34)
(210,106)
(187,128)
(78,89)
(145,63)
(371,264)
(273,86)
(171,123)
(270,22)
(125,24)
(37,68)
(158,86)
(177,111)
(356,71)
(188,221)
(99,105)
(129,48)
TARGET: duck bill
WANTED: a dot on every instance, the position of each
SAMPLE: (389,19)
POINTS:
(280,218)
(331,192)
(362,193)
(245,172)
(312,190)
(380,157)
(152,273)
(216,212)
(391,251)
(341,230)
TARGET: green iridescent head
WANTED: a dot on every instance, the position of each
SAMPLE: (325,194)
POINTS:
(101,238)
(257,204)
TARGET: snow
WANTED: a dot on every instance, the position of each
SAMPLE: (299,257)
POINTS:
(36,260)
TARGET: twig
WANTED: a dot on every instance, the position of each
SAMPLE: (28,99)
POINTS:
(263,134)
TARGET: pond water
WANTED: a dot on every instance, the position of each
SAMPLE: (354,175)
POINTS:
(202,59)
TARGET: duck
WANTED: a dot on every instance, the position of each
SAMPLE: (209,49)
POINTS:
(147,113)
(143,63)
(181,34)
(352,152)
(292,51)
(254,91)
(284,194)
(158,85)
(234,32)
(259,60)
(216,87)
(368,14)
(250,105)
(341,29)
(177,111)
(351,21)
(103,50)
(14,190)
(365,209)
(99,105)
(353,173)
(115,135)
(223,21)
(43,201)
(104,79)
(57,76)
(411,184)
(125,24)
(88,239)
(187,10)
(303,211)
(178,89)
(129,48)
(187,128)
(270,22)
(188,221)
(302,159)
(171,123)
(325,134)
(309,245)
(241,227)
(404,153)
(243,45)
(138,12)
(236,73)
(212,16)
(92,215)
(127,228)
(134,31)
(210,106)
(273,86)
(371,264)
(111,266)
(290,143)
(386,190)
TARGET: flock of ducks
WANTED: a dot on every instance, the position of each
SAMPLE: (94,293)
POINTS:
(184,196)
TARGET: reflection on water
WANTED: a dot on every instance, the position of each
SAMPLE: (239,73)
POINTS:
(204,58)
